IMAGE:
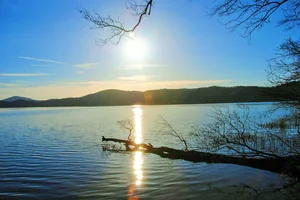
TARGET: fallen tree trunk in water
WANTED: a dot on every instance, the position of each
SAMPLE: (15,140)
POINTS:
(289,165)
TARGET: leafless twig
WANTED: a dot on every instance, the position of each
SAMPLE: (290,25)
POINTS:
(174,133)
(115,25)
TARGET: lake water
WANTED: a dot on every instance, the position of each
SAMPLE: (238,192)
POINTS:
(56,153)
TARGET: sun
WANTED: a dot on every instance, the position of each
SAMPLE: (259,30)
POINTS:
(136,49)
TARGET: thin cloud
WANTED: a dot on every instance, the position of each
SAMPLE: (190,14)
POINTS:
(8,84)
(41,65)
(135,78)
(37,74)
(148,84)
(42,60)
(79,72)
(90,82)
(86,65)
(141,66)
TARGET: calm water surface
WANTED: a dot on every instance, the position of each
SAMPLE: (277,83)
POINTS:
(56,153)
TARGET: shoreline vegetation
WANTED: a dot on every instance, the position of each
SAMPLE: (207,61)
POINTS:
(213,94)
(231,138)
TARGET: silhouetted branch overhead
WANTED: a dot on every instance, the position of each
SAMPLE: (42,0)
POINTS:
(248,14)
(114,25)
(254,14)
(291,15)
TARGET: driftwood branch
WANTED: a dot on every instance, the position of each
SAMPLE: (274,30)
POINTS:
(284,165)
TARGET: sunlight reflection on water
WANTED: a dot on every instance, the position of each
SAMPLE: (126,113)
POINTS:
(138,156)
(138,162)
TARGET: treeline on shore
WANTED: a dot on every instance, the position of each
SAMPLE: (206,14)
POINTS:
(214,94)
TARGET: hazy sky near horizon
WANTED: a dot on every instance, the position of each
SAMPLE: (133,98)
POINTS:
(47,50)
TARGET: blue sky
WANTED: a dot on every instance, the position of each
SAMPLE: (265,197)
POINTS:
(47,50)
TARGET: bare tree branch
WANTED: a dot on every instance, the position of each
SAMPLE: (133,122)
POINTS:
(127,125)
(239,134)
(251,15)
(284,71)
(254,14)
(174,133)
(114,25)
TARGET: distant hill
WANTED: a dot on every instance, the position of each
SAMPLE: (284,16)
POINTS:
(15,98)
(212,94)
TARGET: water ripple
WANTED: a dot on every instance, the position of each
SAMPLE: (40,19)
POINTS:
(55,154)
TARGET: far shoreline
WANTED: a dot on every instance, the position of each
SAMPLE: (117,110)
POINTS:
(150,105)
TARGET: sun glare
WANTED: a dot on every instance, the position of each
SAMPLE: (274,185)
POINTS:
(138,155)
(136,48)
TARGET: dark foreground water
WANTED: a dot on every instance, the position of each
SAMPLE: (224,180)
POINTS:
(56,153)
